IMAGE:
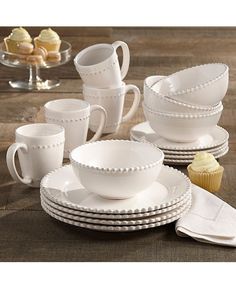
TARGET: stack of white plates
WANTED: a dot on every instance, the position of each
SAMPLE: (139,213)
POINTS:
(176,153)
(65,199)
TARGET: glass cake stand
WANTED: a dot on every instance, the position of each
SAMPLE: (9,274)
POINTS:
(34,81)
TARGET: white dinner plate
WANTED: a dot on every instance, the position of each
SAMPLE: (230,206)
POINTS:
(141,221)
(108,228)
(192,153)
(143,132)
(114,216)
(64,188)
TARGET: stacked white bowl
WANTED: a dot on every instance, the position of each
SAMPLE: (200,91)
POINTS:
(186,105)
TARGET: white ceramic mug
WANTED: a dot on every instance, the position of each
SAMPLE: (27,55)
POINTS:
(113,101)
(40,149)
(73,115)
(98,65)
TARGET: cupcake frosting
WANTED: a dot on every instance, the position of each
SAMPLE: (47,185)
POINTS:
(48,35)
(20,34)
(204,162)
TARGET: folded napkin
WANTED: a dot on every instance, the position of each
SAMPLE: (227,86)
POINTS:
(209,220)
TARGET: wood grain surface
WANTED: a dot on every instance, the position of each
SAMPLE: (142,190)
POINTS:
(27,232)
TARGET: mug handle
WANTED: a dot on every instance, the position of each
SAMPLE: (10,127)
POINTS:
(102,124)
(126,56)
(135,104)
(10,158)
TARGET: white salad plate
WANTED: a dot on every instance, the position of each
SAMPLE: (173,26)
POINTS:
(109,228)
(192,153)
(116,217)
(217,155)
(62,187)
(188,161)
(190,157)
(141,221)
(143,132)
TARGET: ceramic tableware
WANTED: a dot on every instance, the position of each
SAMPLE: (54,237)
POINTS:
(159,102)
(99,67)
(193,152)
(172,161)
(188,154)
(113,102)
(130,222)
(40,150)
(183,158)
(108,228)
(191,156)
(204,84)
(182,127)
(73,115)
(183,153)
(62,187)
(115,217)
(143,132)
(116,169)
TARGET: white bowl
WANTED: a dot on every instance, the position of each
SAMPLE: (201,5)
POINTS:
(116,169)
(199,85)
(159,102)
(182,127)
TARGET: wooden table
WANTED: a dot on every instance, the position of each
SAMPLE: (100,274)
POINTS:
(27,232)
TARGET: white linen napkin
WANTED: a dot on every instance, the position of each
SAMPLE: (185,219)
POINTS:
(209,219)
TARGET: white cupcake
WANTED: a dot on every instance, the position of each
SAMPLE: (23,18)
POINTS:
(48,39)
(17,37)
(206,172)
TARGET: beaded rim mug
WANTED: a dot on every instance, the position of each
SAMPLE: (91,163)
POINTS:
(113,101)
(98,65)
(74,114)
(40,149)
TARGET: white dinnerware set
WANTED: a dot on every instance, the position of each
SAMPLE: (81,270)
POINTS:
(182,111)
(121,185)
(99,69)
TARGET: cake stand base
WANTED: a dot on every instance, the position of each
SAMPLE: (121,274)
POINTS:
(37,85)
